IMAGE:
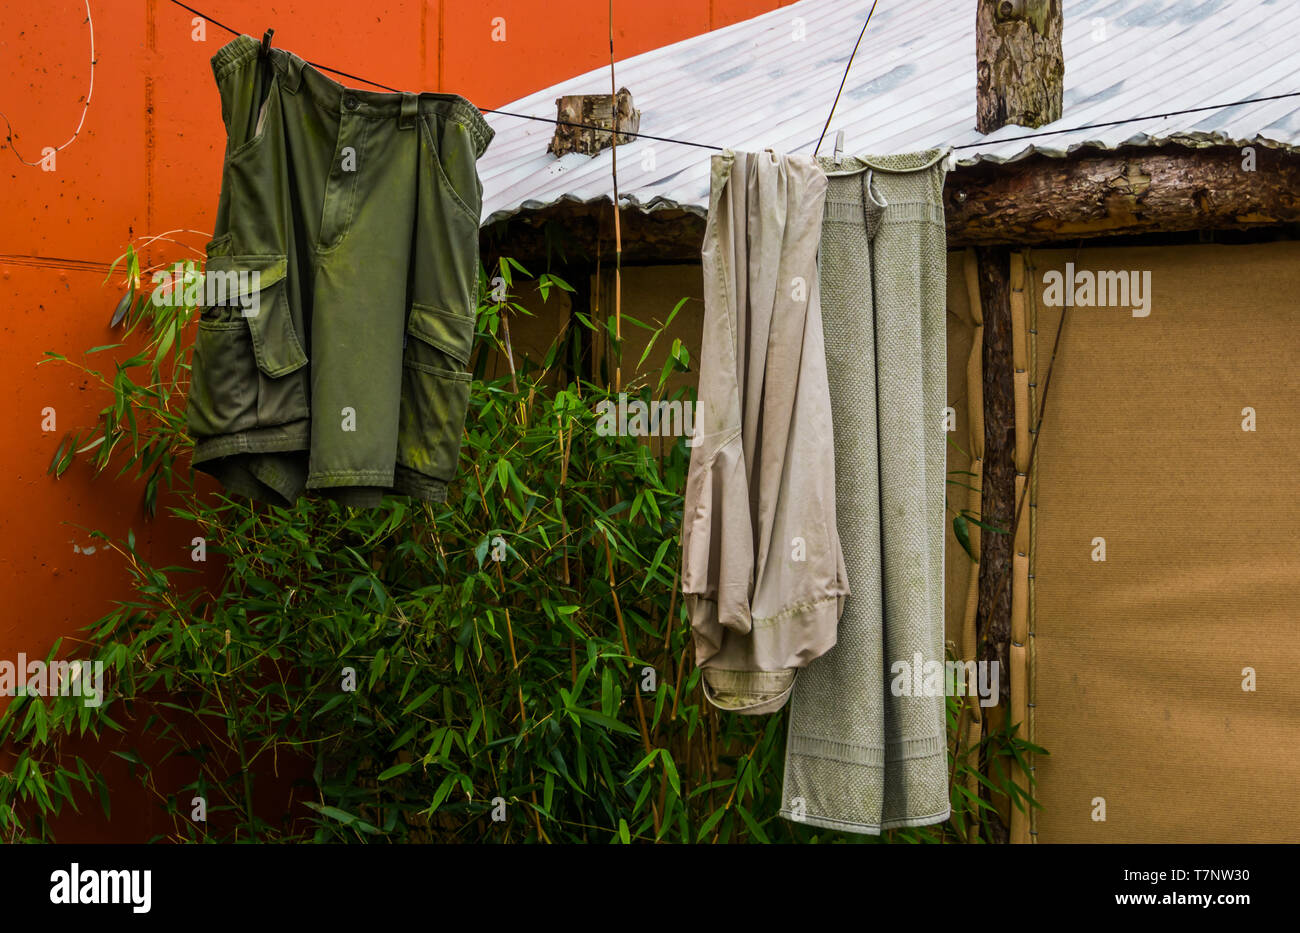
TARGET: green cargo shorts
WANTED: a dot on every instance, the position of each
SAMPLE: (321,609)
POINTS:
(340,287)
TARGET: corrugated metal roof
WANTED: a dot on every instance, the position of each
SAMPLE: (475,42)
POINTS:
(756,85)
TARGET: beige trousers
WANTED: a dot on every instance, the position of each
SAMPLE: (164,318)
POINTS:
(762,570)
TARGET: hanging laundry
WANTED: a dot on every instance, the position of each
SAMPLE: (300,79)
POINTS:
(864,751)
(762,572)
(341,286)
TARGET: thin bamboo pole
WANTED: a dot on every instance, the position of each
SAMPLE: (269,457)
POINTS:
(618,229)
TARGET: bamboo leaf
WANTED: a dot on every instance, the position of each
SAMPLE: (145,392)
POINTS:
(394,771)
(605,722)
(123,306)
(961,531)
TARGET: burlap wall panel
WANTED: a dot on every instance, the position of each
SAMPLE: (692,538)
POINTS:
(1140,657)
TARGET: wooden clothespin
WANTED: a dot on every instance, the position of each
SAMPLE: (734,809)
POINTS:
(839,147)
(266,43)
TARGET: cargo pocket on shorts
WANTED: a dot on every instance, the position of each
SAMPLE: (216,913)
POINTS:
(435,392)
(249,364)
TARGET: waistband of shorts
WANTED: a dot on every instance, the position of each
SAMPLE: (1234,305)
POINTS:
(298,75)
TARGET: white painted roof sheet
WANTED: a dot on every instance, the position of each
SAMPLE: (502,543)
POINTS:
(768,82)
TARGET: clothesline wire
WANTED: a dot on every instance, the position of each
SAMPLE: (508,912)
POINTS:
(1150,116)
(504,113)
(687,142)
(844,78)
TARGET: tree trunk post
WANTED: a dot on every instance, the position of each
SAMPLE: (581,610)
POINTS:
(1021,66)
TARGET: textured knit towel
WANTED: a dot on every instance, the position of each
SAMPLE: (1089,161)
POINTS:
(762,569)
(859,757)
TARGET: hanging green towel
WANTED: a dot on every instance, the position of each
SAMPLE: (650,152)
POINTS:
(859,757)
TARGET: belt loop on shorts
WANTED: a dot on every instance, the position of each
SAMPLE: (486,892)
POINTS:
(291,68)
(410,110)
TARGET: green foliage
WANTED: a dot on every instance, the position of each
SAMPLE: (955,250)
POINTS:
(511,665)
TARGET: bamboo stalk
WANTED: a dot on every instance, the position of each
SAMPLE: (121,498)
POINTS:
(618,230)
(677,682)
(736,783)
(510,631)
(1033,449)
(510,353)
(627,649)
(636,688)
(514,663)
(672,613)
(239,744)
(565,451)
(667,650)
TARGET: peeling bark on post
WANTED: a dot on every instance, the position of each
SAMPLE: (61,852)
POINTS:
(593,110)
(1129,191)
(1021,67)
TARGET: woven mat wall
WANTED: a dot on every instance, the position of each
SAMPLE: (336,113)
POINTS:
(1140,658)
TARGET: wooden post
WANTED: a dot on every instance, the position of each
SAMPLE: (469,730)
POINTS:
(1127,191)
(997,499)
(1021,67)
(997,505)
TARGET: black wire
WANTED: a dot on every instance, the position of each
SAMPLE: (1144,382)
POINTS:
(214,22)
(686,142)
(504,113)
(592,126)
(1151,116)
(344,74)
(845,77)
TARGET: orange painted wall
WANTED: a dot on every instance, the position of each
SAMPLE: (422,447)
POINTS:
(147,161)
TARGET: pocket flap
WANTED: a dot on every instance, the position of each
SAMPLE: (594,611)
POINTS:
(275,341)
(453,334)
(253,286)
(227,278)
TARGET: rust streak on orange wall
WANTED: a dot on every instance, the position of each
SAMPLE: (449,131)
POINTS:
(150,124)
(424,39)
